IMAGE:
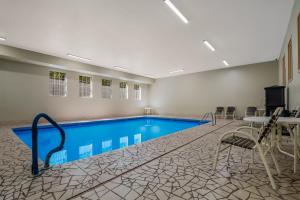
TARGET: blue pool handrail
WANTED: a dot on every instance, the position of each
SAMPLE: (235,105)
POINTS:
(34,166)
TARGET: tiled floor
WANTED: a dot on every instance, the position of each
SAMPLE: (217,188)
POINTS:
(186,174)
(177,166)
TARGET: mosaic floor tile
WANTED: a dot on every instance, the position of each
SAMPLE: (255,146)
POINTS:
(177,166)
(186,174)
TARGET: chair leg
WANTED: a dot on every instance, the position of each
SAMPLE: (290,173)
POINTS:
(217,156)
(228,155)
(267,167)
(243,152)
(253,156)
(275,162)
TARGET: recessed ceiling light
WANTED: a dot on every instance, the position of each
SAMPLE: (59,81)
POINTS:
(176,11)
(225,63)
(2,38)
(176,71)
(78,57)
(148,75)
(121,68)
(209,45)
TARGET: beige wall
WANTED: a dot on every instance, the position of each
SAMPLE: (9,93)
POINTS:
(31,57)
(24,93)
(292,32)
(201,92)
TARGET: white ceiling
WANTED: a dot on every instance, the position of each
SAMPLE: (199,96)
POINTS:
(145,36)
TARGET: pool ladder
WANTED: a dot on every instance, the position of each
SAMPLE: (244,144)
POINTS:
(213,117)
(35,164)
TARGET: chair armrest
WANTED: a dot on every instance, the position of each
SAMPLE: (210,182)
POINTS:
(247,128)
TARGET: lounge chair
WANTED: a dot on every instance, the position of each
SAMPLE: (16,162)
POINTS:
(246,140)
(251,111)
(219,111)
(230,112)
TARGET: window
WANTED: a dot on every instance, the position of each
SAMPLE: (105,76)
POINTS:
(123,90)
(299,42)
(290,64)
(137,92)
(106,89)
(283,71)
(57,84)
(85,86)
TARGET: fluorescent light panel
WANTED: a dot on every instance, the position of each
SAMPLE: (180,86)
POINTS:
(176,71)
(2,38)
(176,11)
(225,63)
(209,45)
(78,57)
(121,68)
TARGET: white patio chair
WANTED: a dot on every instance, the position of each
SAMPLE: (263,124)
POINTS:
(247,140)
(288,130)
(295,113)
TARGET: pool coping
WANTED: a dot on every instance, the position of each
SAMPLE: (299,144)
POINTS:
(76,123)
(85,174)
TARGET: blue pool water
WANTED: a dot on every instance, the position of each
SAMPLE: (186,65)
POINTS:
(92,138)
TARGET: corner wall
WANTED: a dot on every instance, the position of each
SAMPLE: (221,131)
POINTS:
(292,32)
(197,93)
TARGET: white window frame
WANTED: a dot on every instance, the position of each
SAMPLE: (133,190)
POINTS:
(85,89)
(137,91)
(57,86)
(123,91)
(106,89)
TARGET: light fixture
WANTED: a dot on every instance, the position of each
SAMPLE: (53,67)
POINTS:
(148,75)
(176,71)
(209,45)
(78,57)
(121,68)
(225,63)
(2,38)
(176,11)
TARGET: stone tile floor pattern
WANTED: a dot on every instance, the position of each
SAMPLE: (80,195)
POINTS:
(174,167)
(186,174)
(65,181)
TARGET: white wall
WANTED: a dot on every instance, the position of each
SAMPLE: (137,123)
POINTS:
(201,92)
(292,32)
(24,93)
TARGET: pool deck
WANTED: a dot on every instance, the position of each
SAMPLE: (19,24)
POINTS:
(176,166)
